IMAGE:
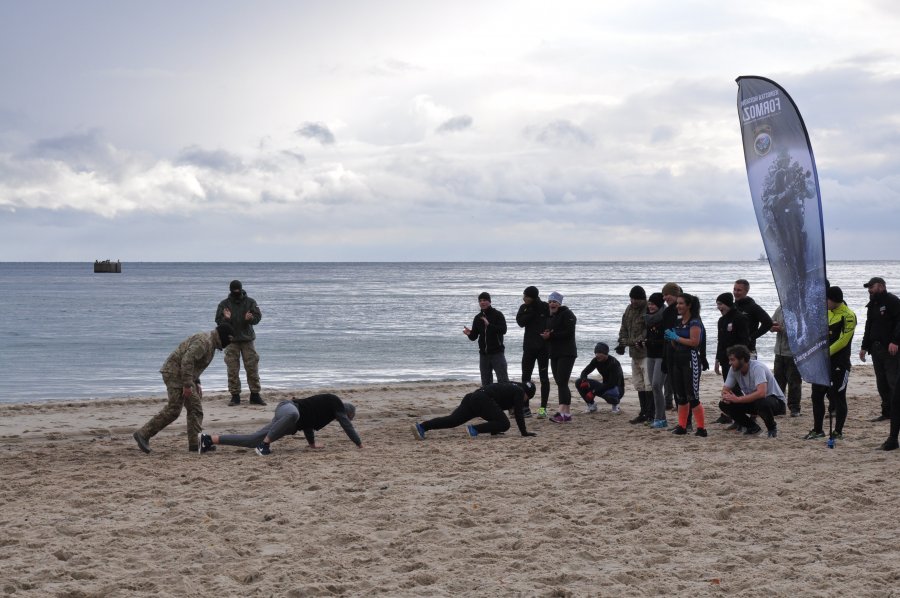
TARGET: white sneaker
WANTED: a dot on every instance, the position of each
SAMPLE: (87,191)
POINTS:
(616,408)
(592,407)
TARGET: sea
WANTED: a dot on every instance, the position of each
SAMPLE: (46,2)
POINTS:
(76,335)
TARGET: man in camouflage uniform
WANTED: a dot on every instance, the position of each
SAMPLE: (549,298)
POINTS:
(181,374)
(243,314)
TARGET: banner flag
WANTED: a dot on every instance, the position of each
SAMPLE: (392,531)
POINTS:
(784,186)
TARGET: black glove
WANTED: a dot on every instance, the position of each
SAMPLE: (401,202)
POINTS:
(529,434)
(620,349)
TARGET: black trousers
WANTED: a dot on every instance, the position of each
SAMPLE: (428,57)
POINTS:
(562,372)
(542,357)
(766,408)
(473,405)
(886,367)
(837,397)
(788,378)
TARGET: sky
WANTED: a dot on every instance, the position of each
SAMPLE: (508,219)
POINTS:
(430,130)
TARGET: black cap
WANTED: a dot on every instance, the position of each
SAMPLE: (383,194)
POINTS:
(484,295)
(875,280)
(726,298)
(638,292)
(656,299)
(236,285)
(835,294)
(601,348)
(529,388)
(531,292)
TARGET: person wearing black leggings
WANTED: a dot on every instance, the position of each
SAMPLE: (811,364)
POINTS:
(841,326)
(532,316)
(488,403)
(560,337)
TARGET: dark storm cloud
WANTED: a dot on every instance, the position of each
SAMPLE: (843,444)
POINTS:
(218,160)
(457,123)
(318,131)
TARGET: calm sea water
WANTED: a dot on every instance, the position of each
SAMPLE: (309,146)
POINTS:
(73,334)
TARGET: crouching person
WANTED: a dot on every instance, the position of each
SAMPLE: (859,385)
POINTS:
(489,404)
(610,387)
(761,394)
(295,415)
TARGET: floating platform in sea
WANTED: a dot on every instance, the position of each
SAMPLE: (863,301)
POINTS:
(108,266)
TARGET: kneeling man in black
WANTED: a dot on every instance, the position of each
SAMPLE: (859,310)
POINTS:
(488,403)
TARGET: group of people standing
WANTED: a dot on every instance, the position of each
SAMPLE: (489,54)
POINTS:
(665,337)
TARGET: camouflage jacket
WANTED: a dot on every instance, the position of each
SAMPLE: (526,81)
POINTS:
(192,357)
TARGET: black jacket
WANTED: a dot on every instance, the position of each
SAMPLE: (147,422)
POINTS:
(882,321)
(243,328)
(610,372)
(758,320)
(533,318)
(656,344)
(562,333)
(490,337)
(318,411)
(734,329)
(508,395)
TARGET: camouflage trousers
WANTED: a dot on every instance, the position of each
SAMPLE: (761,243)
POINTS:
(172,410)
(234,352)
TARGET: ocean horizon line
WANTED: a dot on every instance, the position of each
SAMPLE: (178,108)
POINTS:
(626,261)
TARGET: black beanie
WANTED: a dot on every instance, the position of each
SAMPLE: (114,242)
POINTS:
(656,299)
(529,388)
(236,285)
(225,333)
(835,294)
(638,292)
(484,295)
(601,348)
(726,299)
(531,292)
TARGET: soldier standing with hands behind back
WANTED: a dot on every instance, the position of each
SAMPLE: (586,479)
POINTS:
(243,314)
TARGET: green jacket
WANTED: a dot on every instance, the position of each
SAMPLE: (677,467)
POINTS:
(841,326)
(191,358)
(243,328)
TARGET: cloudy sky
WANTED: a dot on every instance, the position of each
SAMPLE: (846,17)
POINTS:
(430,130)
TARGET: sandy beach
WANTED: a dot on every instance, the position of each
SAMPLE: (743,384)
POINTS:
(595,508)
